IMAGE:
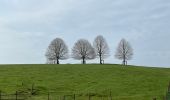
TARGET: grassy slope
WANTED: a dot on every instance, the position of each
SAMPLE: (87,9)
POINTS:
(126,83)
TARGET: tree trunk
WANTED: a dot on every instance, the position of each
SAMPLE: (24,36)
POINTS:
(100,59)
(124,61)
(84,62)
(124,55)
(58,61)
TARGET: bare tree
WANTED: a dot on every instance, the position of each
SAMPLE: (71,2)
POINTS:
(57,50)
(101,48)
(124,51)
(83,50)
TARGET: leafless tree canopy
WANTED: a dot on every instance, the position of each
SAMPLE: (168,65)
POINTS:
(124,51)
(83,50)
(101,48)
(57,50)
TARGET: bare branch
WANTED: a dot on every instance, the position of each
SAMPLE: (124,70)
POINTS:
(101,48)
(57,50)
(124,51)
(83,50)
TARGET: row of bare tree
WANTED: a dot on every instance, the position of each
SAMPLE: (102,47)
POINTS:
(83,50)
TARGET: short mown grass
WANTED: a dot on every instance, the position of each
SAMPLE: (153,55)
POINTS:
(124,82)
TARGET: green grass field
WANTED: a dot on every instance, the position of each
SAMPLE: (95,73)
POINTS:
(124,82)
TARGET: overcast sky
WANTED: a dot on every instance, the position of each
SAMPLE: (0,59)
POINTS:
(28,26)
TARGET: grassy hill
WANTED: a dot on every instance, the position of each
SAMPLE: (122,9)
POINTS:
(124,82)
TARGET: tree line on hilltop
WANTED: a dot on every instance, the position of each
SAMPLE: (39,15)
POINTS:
(83,50)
